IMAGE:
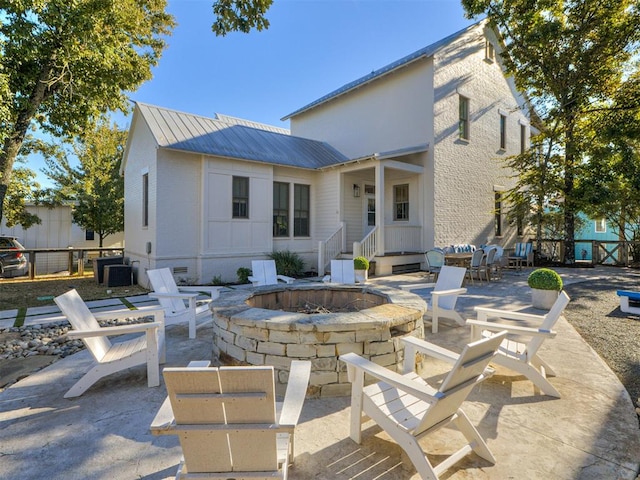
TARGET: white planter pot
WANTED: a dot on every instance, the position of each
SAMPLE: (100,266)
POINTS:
(362,276)
(543,299)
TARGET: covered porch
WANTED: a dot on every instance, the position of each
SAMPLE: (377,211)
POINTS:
(381,209)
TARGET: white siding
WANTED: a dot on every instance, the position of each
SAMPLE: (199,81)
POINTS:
(387,114)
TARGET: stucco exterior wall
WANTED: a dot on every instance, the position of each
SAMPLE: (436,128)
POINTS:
(467,173)
(387,114)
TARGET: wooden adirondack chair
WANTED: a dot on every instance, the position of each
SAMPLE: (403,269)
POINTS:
(227,420)
(342,271)
(263,272)
(408,408)
(444,295)
(520,351)
(113,357)
(180,302)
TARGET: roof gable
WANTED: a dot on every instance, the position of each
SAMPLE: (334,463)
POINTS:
(425,52)
(235,138)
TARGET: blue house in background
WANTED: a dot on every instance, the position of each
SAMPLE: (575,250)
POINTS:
(595,229)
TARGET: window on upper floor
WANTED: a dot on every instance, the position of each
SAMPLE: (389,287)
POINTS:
(523,138)
(240,202)
(89,235)
(280,209)
(600,225)
(503,132)
(401,202)
(301,210)
(489,51)
(145,199)
(463,122)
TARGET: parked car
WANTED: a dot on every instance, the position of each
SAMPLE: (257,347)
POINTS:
(12,264)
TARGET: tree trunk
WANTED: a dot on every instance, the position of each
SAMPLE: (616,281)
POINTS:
(15,139)
(569,201)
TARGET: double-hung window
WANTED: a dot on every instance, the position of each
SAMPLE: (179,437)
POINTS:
(240,194)
(401,202)
(301,210)
(280,209)
(498,214)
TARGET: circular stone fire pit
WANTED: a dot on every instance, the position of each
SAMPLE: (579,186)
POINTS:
(317,322)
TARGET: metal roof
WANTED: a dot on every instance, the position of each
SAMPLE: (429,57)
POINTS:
(237,139)
(377,74)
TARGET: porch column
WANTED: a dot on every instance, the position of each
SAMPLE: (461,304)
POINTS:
(380,208)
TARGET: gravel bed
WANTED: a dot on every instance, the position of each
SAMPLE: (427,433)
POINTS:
(594,311)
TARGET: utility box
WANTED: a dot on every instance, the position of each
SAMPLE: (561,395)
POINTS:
(118,275)
(100,263)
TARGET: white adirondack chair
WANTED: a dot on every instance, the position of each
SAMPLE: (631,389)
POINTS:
(520,351)
(227,420)
(263,272)
(180,302)
(444,295)
(342,271)
(408,408)
(113,357)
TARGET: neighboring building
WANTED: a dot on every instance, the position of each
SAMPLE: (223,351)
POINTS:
(401,160)
(600,231)
(56,230)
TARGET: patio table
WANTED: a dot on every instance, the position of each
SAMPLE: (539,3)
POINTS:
(462,259)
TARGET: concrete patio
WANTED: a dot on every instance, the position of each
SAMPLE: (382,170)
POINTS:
(590,433)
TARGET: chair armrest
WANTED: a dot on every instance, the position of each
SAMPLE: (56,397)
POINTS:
(213,292)
(357,364)
(326,278)
(511,329)
(285,279)
(484,313)
(119,330)
(137,313)
(446,293)
(431,349)
(164,420)
(173,295)
(417,286)
(295,393)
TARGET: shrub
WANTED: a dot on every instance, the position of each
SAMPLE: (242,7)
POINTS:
(243,274)
(361,263)
(545,279)
(288,263)
(217,281)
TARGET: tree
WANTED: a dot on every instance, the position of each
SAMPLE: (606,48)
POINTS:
(240,15)
(569,57)
(95,186)
(64,63)
(23,189)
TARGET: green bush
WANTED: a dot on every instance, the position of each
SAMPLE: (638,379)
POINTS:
(217,281)
(243,274)
(288,263)
(361,263)
(545,279)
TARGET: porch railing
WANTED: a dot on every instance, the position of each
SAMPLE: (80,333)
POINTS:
(368,246)
(331,248)
(402,238)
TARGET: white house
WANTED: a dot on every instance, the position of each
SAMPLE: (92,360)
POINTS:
(389,165)
(56,230)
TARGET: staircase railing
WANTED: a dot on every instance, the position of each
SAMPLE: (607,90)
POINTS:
(331,248)
(367,247)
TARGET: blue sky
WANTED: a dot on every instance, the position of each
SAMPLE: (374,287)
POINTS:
(311,48)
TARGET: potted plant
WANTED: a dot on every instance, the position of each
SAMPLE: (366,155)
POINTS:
(361,267)
(545,285)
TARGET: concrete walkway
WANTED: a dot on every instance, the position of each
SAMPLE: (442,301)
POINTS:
(590,433)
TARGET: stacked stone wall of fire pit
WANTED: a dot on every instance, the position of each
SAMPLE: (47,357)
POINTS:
(245,334)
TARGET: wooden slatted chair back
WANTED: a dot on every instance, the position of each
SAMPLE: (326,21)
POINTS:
(449,278)
(465,374)
(81,318)
(264,271)
(550,319)
(162,281)
(343,271)
(239,405)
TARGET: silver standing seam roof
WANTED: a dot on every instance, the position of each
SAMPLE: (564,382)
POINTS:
(231,137)
(376,74)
